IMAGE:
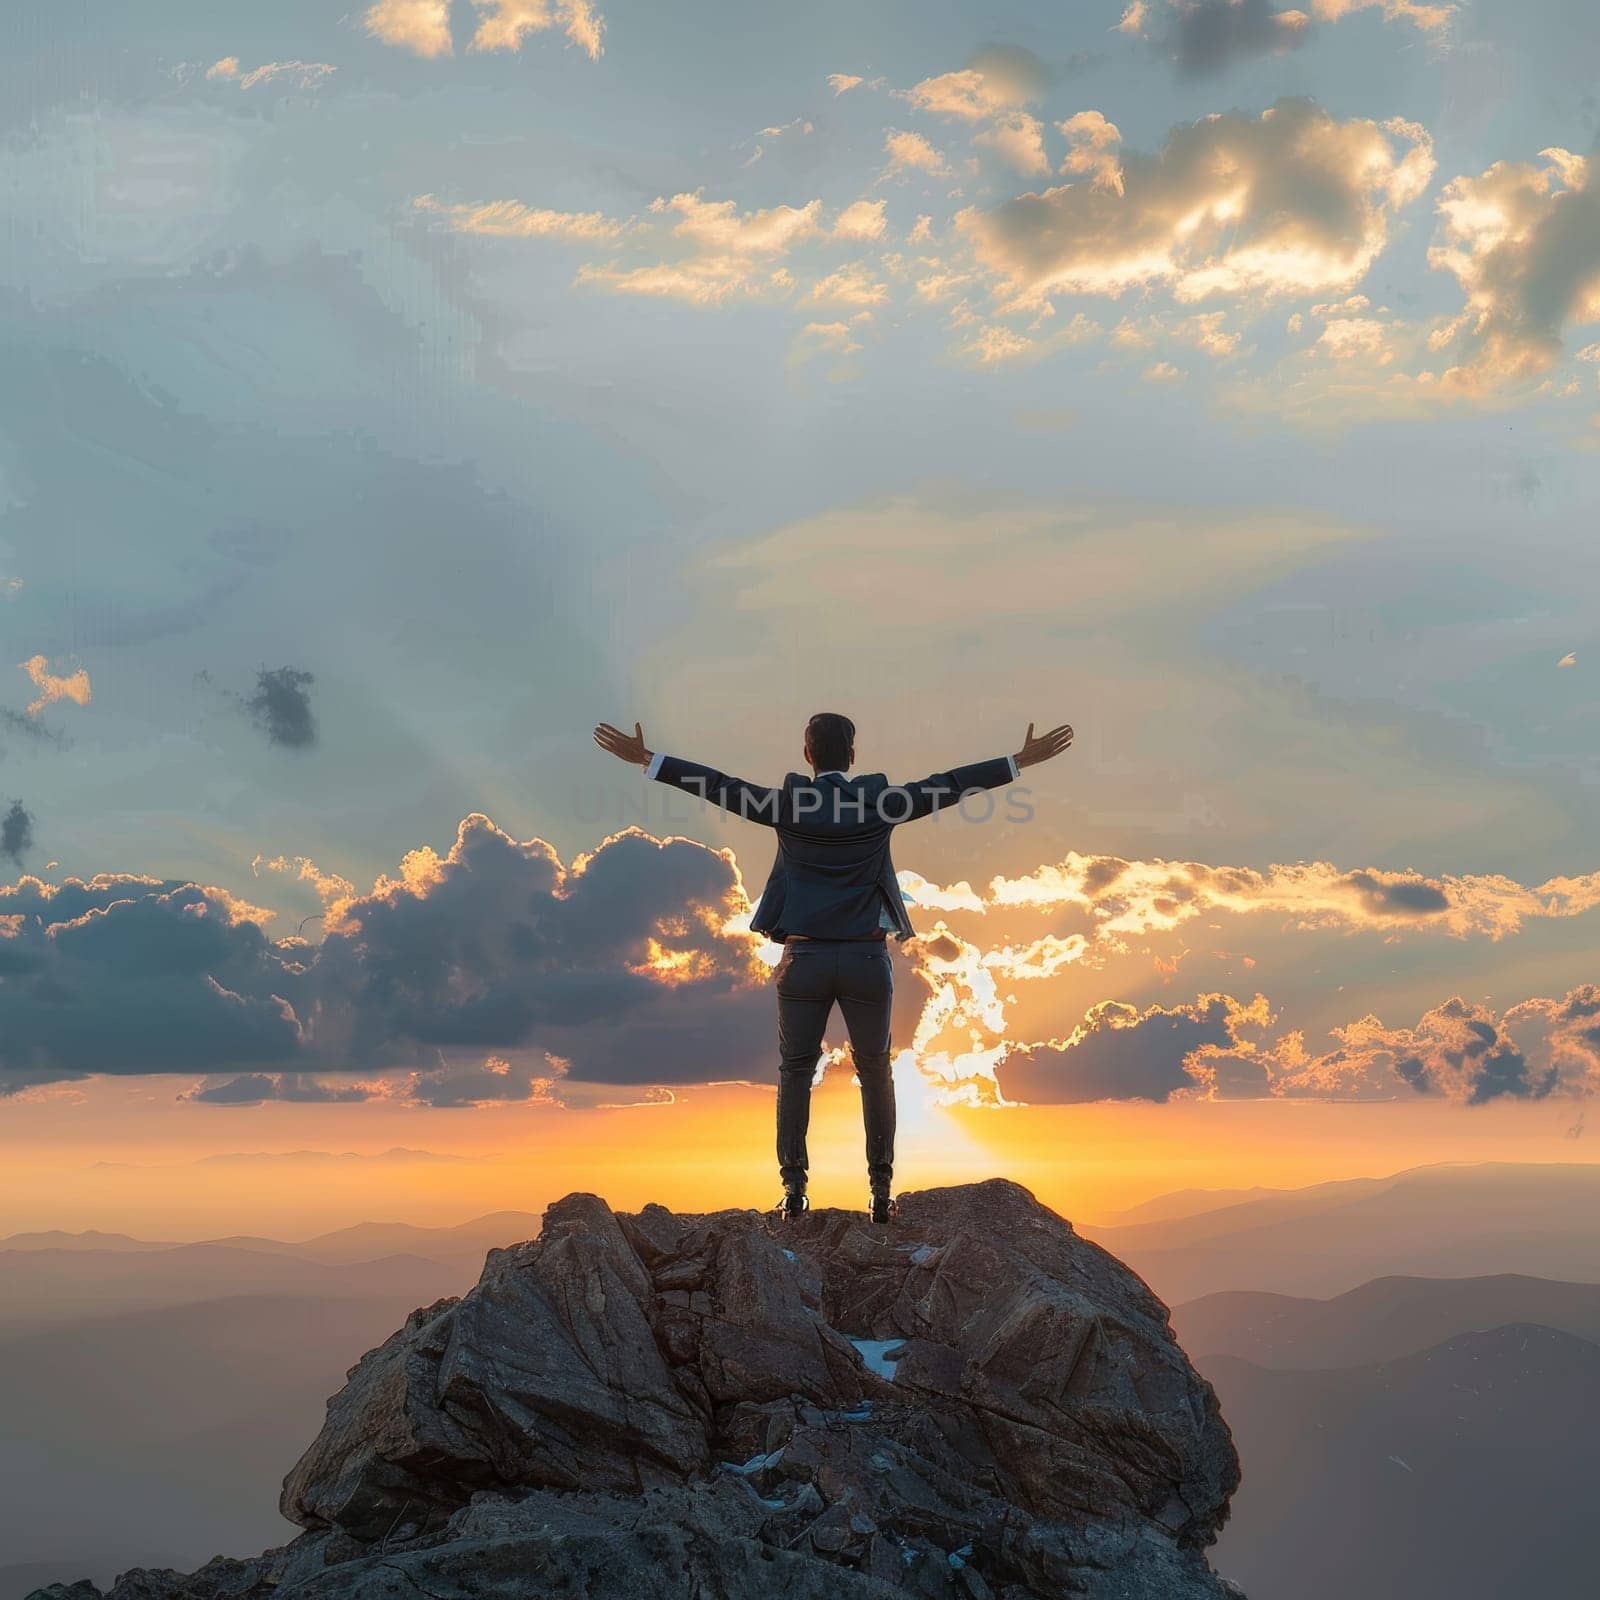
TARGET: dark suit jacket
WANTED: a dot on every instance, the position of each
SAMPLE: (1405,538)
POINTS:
(833,877)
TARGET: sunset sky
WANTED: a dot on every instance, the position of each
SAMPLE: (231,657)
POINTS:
(390,392)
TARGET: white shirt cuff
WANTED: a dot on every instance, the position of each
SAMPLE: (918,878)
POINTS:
(654,765)
(1011,761)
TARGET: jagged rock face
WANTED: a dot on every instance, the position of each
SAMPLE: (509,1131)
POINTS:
(974,1402)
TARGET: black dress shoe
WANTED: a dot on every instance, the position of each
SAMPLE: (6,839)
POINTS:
(794,1204)
(884,1208)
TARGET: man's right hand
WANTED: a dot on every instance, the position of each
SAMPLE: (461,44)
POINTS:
(1050,744)
(624,746)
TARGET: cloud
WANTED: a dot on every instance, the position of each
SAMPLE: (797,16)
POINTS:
(1429,18)
(912,152)
(625,965)
(420,26)
(506,23)
(32,729)
(1094,150)
(1018,139)
(862,220)
(73,687)
(305,74)
(511,219)
(843,83)
(1458,1050)
(998,78)
(493,1081)
(1287,202)
(126,974)
(723,251)
(1121,1053)
(1205,37)
(16,832)
(851,285)
(1140,897)
(1208,36)
(256,1088)
(1523,241)
(423,26)
(992,345)
(992,90)
(840,339)
(281,709)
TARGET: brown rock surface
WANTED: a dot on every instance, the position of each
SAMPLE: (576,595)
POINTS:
(973,1402)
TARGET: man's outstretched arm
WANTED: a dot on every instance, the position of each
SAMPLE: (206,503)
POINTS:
(941,789)
(752,801)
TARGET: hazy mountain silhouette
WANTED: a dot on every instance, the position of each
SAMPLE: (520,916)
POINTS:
(1183,1203)
(89,1239)
(161,1436)
(1445,1221)
(1381,1321)
(42,1287)
(1453,1474)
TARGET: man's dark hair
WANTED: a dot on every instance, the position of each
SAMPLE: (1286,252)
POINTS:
(831,739)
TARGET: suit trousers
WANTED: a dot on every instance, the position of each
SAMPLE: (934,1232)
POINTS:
(811,977)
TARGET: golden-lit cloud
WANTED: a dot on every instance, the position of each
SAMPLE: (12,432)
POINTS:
(423,26)
(1523,241)
(719,227)
(504,24)
(839,339)
(861,220)
(1141,897)
(1459,1049)
(1093,150)
(853,285)
(72,687)
(1429,18)
(511,219)
(843,83)
(420,26)
(1288,202)
(1018,139)
(909,151)
(720,251)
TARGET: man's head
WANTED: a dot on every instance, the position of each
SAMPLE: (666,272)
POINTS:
(830,742)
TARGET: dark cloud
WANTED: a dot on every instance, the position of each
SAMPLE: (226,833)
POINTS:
(616,966)
(1121,1053)
(16,832)
(1465,1052)
(506,949)
(281,708)
(25,727)
(1399,896)
(492,1081)
(1523,241)
(1208,36)
(255,1088)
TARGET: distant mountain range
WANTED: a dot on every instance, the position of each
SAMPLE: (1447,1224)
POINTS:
(1444,1221)
(1381,1321)
(42,1288)
(161,1436)
(1458,1473)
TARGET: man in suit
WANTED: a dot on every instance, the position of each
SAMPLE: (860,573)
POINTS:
(832,900)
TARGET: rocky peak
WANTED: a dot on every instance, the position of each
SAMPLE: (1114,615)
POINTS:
(973,1402)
